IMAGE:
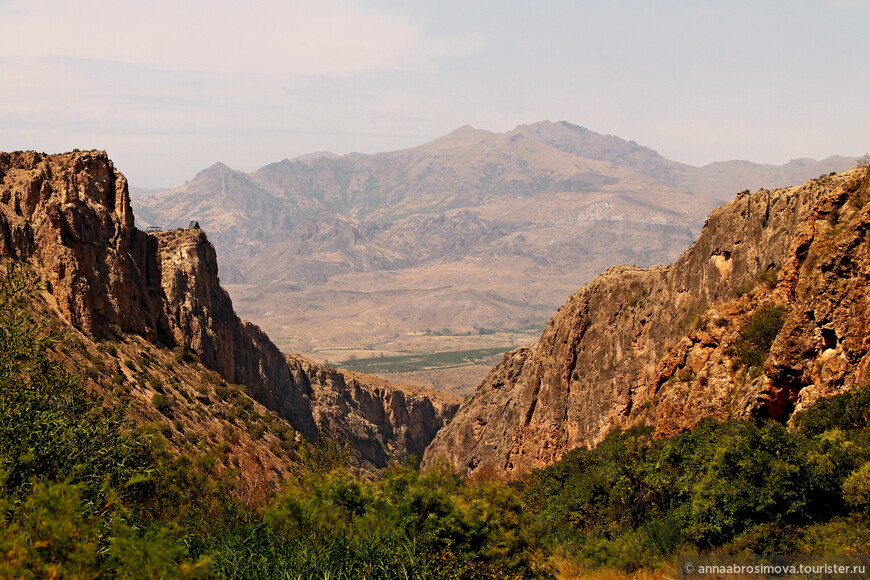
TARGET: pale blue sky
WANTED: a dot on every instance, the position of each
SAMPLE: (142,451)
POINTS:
(170,87)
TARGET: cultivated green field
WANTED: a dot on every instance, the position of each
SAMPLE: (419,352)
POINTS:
(419,362)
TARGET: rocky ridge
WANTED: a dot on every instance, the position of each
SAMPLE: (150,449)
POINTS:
(667,346)
(69,216)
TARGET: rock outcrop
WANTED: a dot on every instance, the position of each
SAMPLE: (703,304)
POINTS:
(382,421)
(666,346)
(70,216)
(73,214)
(201,319)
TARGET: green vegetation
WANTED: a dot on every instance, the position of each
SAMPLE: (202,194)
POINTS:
(732,487)
(85,494)
(417,362)
(756,338)
(70,470)
(162,403)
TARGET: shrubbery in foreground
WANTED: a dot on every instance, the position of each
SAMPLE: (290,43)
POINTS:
(725,487)
(84,494)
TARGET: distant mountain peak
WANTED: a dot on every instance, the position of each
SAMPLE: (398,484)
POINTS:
(461,137)
(800,162)
(218,168)
(317,155)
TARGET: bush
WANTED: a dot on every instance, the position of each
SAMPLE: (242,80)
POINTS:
(50,429)
(407,524)
(71,471)
(162,403)
(182,355)
(856,488)
(756,338)
(849,410)
(633,501)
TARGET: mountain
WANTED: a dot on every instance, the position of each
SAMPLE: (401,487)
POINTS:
(475,230)
(155,298)
(417,250)
(719,180)
(143,191)
(763,315)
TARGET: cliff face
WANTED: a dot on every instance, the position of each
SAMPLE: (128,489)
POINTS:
(70,215)
(381,421)
(665,346)
(74,216)
(201,318)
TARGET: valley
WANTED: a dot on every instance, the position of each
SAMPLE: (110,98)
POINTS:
(139,410)
(477,236)
(379,290)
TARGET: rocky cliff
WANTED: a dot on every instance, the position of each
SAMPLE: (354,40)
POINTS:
(766,312)
(69,215)
(386,422)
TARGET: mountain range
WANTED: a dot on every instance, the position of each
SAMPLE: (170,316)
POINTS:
(714,405)
(465,242)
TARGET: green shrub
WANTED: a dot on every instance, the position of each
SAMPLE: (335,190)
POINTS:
(756,338)
(407,524)
(50,429)
(71,471)
(53,534)
(849,410)
(856,487)
(162,403)
(183,355)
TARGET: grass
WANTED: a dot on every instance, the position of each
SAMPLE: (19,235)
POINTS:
(419,362)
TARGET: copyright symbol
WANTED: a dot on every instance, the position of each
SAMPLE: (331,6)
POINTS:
(688,568)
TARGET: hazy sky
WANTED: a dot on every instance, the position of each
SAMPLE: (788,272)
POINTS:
(168,87)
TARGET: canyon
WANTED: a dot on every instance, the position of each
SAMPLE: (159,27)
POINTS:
(146,322)
(468,242)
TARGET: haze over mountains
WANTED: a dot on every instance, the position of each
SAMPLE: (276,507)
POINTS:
(468,241)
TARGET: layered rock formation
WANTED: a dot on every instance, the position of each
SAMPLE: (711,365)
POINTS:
(70,215)
(666,346)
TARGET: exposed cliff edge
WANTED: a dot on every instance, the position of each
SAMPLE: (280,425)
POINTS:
(670,345)
(387,422)
(70,214)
